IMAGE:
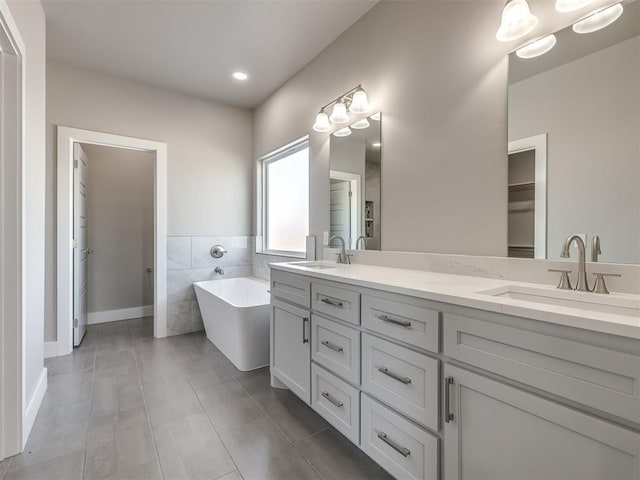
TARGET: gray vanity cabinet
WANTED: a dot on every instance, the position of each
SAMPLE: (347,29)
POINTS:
(291,352)
(500,432)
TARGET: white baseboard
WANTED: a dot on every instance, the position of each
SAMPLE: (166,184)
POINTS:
(50,349)
(122,314)
(31,412)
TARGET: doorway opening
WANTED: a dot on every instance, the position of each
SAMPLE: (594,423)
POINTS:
(12,261)
(74,251)
(344,206)
(527,185)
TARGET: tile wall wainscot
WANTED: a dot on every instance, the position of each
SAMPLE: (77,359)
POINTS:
(189,261)
(516,269)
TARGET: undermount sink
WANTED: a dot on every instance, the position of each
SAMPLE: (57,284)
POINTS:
(615,304)
(319,266)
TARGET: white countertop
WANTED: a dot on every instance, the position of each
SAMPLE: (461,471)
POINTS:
(463,291)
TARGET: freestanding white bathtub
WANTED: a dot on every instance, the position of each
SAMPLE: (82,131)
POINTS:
(235,313)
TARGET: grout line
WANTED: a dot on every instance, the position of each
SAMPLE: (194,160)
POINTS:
(93,386)
(146,406)
(216,430)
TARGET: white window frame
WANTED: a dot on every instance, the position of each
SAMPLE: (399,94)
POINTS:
(262,216)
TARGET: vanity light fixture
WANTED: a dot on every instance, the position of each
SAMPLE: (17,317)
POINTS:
(354,101)
(343,132)
(537,48)
(339,116)
(375,116)
(571,5)
(361,124)
(517,21)
(240,75)
(599,19)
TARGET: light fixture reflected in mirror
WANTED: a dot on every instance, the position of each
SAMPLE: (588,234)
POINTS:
(376,145)
(354,101)
(537,48)
(517,21)
(360,124)
(343,132)
(375,116)
(599,20)
(571,5)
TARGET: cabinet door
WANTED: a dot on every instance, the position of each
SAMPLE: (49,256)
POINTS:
(291,352)
(500,432)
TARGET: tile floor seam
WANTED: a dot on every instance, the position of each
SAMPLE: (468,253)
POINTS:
(93,387)
(226,449)
(146,406)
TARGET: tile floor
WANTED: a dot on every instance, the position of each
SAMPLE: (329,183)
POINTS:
(127,406)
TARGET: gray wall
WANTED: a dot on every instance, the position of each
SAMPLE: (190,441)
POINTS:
(120,227)
(589,109)
(208,147)
(437,74)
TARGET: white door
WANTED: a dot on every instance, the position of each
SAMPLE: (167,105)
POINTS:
(340,210)
(80,274)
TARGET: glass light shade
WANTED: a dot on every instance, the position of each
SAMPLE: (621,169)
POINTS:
(360,124)
(343,132)
(599,20)
(517,21)
(571,5)
(537,48)
(322,124)
(359,102)
(339,115)
(375,116)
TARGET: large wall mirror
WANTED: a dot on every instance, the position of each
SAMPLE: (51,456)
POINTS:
(574,142)
(355,178)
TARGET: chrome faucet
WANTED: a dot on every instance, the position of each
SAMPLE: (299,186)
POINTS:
(595,248)
(342,256)
(364,242)
(582,285)
(219,270)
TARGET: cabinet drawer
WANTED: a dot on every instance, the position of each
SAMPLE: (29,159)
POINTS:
(336,301)
(336,347)
(595,374)
(406,380)
(337,401)
(405,319)
(291,287)
(403,449)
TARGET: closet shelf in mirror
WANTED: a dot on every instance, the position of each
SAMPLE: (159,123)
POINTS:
(522,206)
(521,186)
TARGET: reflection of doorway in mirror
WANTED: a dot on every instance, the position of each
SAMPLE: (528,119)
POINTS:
(527,208)
(344,206)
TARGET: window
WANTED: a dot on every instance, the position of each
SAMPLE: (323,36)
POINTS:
(285,199)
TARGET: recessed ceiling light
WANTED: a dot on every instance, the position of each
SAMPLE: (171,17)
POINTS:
(240,75)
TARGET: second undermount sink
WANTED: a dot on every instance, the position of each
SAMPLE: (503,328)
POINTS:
(319,266)
(616,304)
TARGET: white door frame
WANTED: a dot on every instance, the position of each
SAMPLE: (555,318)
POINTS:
(67,136)
(12,259)
(537,143)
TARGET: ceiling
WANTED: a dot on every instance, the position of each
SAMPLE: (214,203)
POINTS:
(193,47)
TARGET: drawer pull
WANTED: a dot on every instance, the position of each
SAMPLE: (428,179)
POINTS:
(328,396)
(448,416)
(405,452)
(330,345)
(328,301)
(305,321)
(395,376)
(402,323)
